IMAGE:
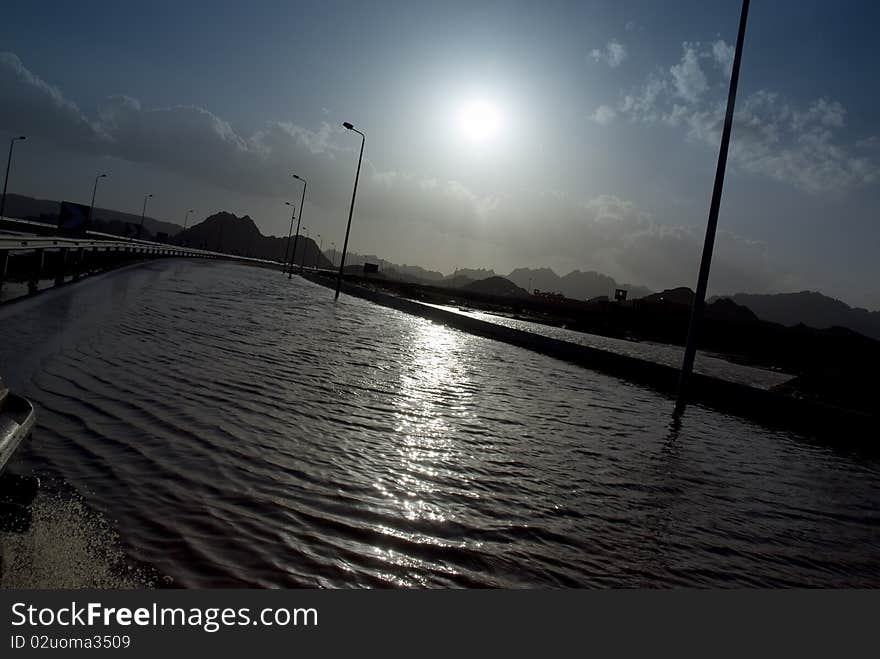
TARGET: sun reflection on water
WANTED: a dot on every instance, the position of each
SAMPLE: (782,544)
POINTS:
(433,392)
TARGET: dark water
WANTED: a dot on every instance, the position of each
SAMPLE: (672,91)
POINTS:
(235,428)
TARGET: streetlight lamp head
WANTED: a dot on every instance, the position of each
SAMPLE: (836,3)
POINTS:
(295,176)
(102,176)
(22,137)
(348,125)
(287,203)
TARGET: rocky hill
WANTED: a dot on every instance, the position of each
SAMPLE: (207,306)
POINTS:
(228,233)
(577,284)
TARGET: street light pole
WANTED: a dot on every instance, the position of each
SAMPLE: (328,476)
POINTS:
(333,260)
(8,167)
(690,350)
(92,207)
(143,215)
(289,233)
(185,220)
(302,205)
(349,126)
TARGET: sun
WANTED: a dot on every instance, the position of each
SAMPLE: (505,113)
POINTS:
(480,121)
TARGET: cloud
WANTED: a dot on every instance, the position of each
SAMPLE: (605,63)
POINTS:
(688,77)
(723,55)
(802,146)
(604,115)
(643,104)
(613,54)
(31,106)
(605,233)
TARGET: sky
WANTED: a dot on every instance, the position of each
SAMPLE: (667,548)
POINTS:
(572,135)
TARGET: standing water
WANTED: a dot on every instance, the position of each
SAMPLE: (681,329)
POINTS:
(230,427)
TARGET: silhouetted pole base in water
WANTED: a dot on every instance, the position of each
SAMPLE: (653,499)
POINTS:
(690,350)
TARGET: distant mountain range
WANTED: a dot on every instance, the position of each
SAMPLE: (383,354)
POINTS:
(577,284)
(239,235)
(812,309)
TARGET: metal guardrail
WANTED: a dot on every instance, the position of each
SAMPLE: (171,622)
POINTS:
(96,240)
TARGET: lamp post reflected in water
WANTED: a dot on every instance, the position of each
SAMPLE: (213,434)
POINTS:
(351,127)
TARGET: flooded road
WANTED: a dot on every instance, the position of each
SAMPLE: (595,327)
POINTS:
(235,428)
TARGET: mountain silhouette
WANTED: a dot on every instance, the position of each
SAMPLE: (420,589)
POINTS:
(500,286)
(577,284)
(230,234)
(681,295)
(464,276)
(812,309)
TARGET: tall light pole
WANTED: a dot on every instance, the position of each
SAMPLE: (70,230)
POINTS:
(333,260)
(690,350)
(92,207)
(349,126)
(143,215)
(8,167)
(185,220)
(302,205)
(287,257)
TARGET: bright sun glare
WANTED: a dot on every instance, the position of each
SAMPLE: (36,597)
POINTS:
(480,121)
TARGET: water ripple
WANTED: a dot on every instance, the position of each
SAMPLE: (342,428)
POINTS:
(242,429)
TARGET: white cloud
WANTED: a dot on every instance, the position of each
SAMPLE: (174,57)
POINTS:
(723,55)
(604,115)
(688,77)
(613,54)
(33,107)
(828,113)
(803,147)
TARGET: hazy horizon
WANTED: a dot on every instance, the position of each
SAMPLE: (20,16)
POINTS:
(574,136)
